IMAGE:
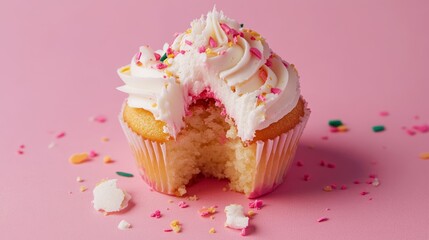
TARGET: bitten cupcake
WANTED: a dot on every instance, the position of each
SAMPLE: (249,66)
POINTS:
(217,102)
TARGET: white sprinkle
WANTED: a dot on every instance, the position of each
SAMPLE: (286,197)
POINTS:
(79,179)
(376,182)
(51,145)
(123,225)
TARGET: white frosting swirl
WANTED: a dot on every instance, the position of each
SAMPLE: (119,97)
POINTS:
(236,65)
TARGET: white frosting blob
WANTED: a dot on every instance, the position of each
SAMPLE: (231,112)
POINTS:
(235,65)
(235,217)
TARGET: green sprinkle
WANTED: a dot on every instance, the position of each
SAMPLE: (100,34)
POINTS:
(242,25)
(124,174)
(163,57)
(335,123)
(378,128)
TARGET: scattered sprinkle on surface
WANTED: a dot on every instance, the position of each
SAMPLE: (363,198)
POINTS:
(61,135)
(176,226)
(156,214)
(206,212)
(105,139)
(124,174)
(93,154)
(212,231)
(78,158)
(322,219)
(327,188)
(335,123)
(378,128)
(258,204)
(107,159)
(79,179)
(384,113)
(183,204)
(83,188)
(424,156)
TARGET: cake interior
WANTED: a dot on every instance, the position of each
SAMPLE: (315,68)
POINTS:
(209,146)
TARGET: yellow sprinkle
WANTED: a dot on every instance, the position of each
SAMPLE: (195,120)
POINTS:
(424,156)
(83,188)
(176,226)
(78,158)
(251,213)
(342,128)
(105,139)
(124,69)
(107,159)
(188,31)
(212,230)
(210,53)
(168,73)
(327,188)
(170,55)
(230,44)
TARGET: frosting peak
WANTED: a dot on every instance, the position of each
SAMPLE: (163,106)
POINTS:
(218,55)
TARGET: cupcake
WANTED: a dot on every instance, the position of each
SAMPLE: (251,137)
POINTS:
(217,102)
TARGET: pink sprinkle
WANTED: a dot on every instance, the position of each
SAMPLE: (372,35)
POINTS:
(299,164)
(93,154)
(261,98)
(276,90)
(286,64)
(156,214)
(212,42)
(256,52)
(422,128)
(343,187)
(330,165)
(168,230)
(268,63)
(333,129)
(322,163)
(306,177)
(188,42)
(333,186)
(252,38)
(169,51)
(372,176)
(225,28)
(256,204)
(138,56)
(161,66)
(22,146)
(323,219)
(222,52)
(157,56)
(410,132)
(364,193)
(235,39)
(61,135)
(100,119)
(325,138)
(243,232)
(202,49)
(183,204)
(356,182)
(182,51)
(369,182)
(384,113)
(20,152)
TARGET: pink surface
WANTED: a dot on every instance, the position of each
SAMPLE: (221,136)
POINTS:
(355,60)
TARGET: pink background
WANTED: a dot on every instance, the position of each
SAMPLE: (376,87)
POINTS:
(355,60)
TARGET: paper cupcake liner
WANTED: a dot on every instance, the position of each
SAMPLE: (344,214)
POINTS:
(273,159)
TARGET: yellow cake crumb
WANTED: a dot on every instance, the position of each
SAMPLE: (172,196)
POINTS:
(212,230)
(176,226)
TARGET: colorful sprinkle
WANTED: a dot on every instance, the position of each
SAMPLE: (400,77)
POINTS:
(330,165)
(322,219)
(107,159)
(384,113)
(424,156)
(335,123)
(322,163)
(268,63)
(212,42)
(306,177)
(327,188)
(256,204)
(187,42)
(176,226)
(61,135)
(243,232)
(241,25)
(255,52)
(356,182)
(125,174)
(378,128)
(410,132)
(92,154)
(299,164)
(161,66)
(183,204)
(157,56)
(343,187)
(78,158)
(364,193)
(83,188)
(156,214)
(202,49)
(225,28)
(276,90)
(105,139)
(286,64)
(251,213)
(206,212)
(263,75)
(422,128)
(342,128)
(163,57)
